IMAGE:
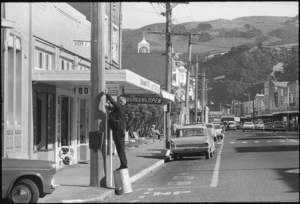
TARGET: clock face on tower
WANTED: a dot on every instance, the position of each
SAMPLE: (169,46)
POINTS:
(143,50)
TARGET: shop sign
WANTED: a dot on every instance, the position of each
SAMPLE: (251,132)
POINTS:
(82,90)
(144,99)
(149,85)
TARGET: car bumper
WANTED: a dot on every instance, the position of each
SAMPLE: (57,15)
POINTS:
(190,151)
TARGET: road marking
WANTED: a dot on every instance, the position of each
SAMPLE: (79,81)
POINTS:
(256,141)
(146,192)
(281,140)
(244,142)
(294,141)
(215,178)
(293,171)
(176,178)
(232,142)
(269,141)
(170,193)
(141,197)
(179,183)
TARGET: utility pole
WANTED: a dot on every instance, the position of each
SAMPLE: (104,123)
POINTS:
(98,116)
(203,95)
(187,114)
(168,83)
(196,89)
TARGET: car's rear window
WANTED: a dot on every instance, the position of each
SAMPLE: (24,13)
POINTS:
(192,132)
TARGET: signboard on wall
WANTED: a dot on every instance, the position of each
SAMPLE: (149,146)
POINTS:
(144,99)
(82,90)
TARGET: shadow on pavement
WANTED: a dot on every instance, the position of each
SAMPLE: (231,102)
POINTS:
(291,179)
(277,148)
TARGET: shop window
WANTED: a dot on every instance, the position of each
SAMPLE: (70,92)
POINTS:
(115,44)
(43,60)
(82,67)
(14,81)
(107,41)
(43,121)
(65,64)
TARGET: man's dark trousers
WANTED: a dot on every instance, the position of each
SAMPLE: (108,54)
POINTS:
(119,139)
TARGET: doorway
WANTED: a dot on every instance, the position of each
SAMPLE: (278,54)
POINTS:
(65,119)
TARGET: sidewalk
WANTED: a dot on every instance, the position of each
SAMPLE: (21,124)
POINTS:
(74,180)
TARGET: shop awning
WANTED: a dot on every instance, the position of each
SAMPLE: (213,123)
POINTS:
(129,82)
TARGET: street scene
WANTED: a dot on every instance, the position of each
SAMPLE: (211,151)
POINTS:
(150,102)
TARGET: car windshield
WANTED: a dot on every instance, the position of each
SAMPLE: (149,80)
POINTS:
(248,123)
(209,126)
(192,132)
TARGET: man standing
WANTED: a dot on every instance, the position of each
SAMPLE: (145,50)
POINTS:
(116,121)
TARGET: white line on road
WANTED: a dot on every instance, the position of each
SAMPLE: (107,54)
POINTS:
(294,141)
(256,141)
(215,178)
(232,142)
(269,141)
(244,142)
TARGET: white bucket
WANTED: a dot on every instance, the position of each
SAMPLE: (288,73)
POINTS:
(122,181)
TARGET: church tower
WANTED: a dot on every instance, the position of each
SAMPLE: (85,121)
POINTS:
(143,46)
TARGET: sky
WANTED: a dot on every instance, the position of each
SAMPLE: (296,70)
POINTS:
(139,14)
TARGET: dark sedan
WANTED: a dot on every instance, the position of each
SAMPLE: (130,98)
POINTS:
(279,126)
(25,181)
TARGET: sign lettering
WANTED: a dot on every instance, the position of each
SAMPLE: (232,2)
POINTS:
(81,43)
(143,99)
(82,90)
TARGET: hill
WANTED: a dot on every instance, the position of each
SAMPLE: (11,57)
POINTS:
(220,34)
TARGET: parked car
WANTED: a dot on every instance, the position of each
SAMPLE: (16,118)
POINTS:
(25,181)
(219,131)
(231,125)
(248,126)
(259,126)
(268,126)
(279,126)
(211,130)
(192,140)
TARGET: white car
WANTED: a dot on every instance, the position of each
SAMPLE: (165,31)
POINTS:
(219,131)
(192,140)
(248,126)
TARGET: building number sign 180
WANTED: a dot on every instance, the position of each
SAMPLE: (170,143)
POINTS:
(82,90)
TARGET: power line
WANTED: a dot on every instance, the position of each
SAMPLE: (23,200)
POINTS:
(190,12)
(157,13)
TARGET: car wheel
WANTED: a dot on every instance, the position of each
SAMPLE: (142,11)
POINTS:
(243,130)
(215,139)
(24,191)
(211,154)
(207,156)
(180,157)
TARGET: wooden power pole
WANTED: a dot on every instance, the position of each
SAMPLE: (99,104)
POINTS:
(97,108)
(196,89)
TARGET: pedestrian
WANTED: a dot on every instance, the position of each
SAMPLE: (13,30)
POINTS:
(155,131)
(116,121)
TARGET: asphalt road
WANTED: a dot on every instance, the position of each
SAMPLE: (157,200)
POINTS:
(246,167)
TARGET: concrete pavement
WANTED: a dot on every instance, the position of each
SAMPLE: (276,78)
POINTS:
(74,180)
